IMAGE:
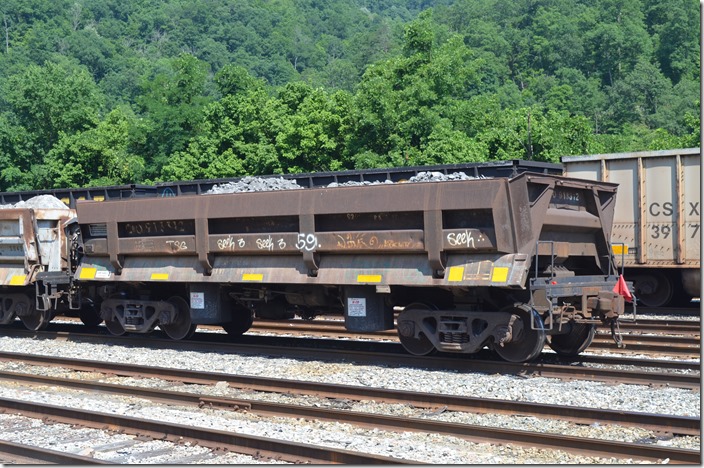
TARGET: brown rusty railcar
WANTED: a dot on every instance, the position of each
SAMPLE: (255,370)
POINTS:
(501,262)
(35,279)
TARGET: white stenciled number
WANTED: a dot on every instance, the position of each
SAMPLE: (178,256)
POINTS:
(307,242)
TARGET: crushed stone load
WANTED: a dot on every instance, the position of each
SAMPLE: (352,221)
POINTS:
(45,202)
(355,183)
(434,176)
(262,184)
(255,184)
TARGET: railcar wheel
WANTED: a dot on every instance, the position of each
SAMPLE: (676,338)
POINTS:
(114,327)
(420,345)
(526,342)
(242,320)
(37,319)
(182,327)
(653,289)
(574,342)
(89,315)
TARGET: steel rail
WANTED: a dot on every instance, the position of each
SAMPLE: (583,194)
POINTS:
(29,453)
(545,357)
(676,345)
(474,433)
(682,425)
(390,354)
(241,443)
(665,327)
(691,366)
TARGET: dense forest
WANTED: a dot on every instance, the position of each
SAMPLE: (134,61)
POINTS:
(107,92)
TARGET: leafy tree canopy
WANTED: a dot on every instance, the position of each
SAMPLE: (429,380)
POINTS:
(119,91)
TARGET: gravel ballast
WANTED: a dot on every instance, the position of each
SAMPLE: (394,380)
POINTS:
(427,448)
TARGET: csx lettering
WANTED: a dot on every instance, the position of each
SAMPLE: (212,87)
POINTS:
(656,209)
(667,209)
(694,209)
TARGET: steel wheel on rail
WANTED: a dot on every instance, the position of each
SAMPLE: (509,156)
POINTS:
(653,289)
(7,311)
(242,320)
(182,327)
(575,341)
(89,314)
(36,319)
(418,345)
(114,327)
(527,341)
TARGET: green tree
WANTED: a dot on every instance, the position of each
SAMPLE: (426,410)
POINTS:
(173,103)
(53,98)
(310,128)
(44,102)
(99,156)
(235,139)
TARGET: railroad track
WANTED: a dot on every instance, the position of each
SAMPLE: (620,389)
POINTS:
(474,433)
(661,344)
(13,453)
(677,374)
(649,337)
(259,447)
(659,341)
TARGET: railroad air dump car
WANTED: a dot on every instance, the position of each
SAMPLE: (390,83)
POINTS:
(656,220)
(34,269)
(503,262)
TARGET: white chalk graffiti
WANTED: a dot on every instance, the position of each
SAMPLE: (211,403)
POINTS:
(307,242)
(461,239)
(230,243)
(265,244)
(177,245)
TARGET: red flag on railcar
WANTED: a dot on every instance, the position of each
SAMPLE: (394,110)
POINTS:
(622,289)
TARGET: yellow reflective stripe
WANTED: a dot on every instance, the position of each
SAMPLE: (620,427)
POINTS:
(87,273)
(160,276)
(499,274)
(619,249)
(99,198)
(18,280)
(456,274)
(252,277)
(369,278)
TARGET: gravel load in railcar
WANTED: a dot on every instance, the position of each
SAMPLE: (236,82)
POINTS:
(509,263)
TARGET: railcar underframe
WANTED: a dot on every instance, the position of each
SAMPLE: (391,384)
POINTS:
(508,263)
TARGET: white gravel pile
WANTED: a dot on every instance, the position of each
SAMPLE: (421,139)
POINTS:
(427,448)
(355,183)
(40,202)
(433,176)
(261,184)
(255,184)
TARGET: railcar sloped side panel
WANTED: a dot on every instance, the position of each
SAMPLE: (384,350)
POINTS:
(459,233)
